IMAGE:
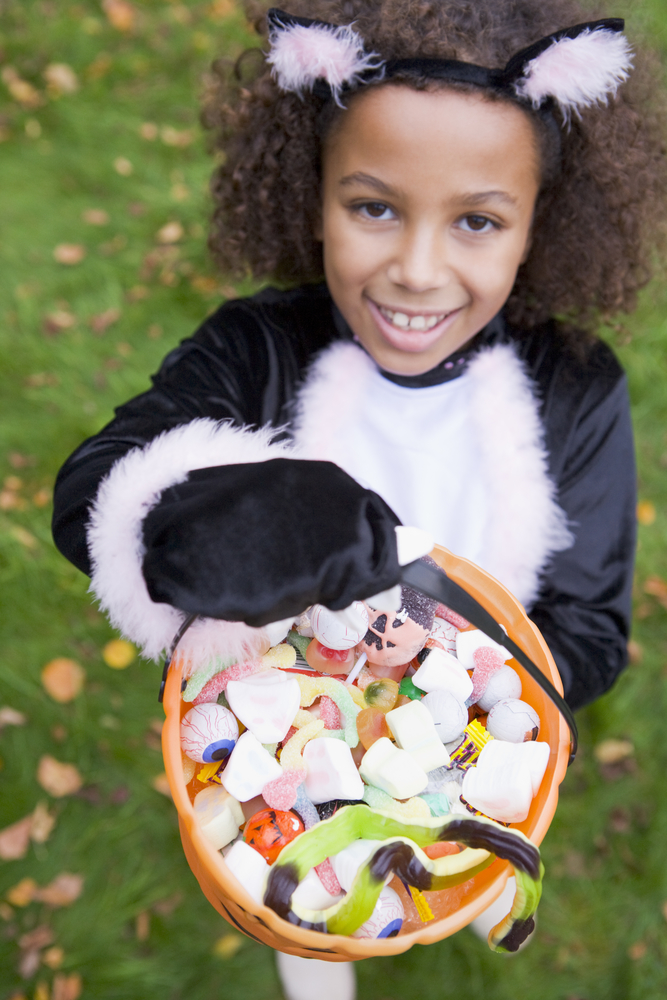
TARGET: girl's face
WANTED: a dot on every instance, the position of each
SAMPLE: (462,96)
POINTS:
(428,200)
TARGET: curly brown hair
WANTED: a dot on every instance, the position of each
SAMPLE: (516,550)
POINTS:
(598,219)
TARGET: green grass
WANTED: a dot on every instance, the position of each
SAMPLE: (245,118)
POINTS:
(606,882)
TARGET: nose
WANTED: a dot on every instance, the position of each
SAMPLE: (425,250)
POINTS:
(421,260)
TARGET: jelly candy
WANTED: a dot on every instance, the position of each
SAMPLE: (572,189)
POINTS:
(329,661)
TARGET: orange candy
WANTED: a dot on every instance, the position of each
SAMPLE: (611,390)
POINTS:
(329,661)
(371,725)
(269,830)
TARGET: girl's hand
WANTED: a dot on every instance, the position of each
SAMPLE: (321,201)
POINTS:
(262,541)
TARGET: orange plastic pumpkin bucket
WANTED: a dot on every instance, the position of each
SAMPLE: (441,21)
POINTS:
(452,908)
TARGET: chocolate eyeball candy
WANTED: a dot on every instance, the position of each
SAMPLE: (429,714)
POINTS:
(449,714)
(514,721)
(386,919)
(208,732)
(339,629)
(504,683)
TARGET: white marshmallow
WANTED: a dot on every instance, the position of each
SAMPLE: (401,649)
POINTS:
(468,642)
(441,671)
(249,868)
(347,862)
(332,773)
(394,771)
(414,730)
(219,815)
(386,919)
(450,716)
(506,778)
(250,767)
(339,629)
(504,683)
(266,704)
(513,721)
(311,894)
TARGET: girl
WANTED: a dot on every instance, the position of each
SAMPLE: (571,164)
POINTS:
(450,196)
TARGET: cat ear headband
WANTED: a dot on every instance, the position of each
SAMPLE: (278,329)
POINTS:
(575,67)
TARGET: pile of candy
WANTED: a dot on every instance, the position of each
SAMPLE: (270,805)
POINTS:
(370,744)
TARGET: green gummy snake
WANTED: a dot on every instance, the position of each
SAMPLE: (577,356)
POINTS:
(401,854)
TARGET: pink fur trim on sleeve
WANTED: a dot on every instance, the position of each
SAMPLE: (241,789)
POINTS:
(125,497)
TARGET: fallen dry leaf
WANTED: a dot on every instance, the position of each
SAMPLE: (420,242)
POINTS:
(6,911)
(42,823)
(20,89)
(102,321)
(120,14)
(161,784)
(176,137)
(64,890)
(646,512)
(60,79)
(119,654)
(15,839)
(57,321)
(40,379)
(95,216)
(29,963)
(142,925)
(58,779)
(10,717)
(19,461)
(22,893)
(613,751)
(66,987)
(172,232)
(149,131)
(53,957)
(220,9)
(227,945)
(164,907)
(23,537)
(37,938)
(69,253)
(63,679)
(42,497)
(637,950)
(42,991)
(123,166)
(635,651)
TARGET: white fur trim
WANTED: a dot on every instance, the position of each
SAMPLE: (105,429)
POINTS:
(125,497)
(526,524)
(301,55)
(578,72)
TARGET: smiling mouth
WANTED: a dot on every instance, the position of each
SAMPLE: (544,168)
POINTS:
(418,322)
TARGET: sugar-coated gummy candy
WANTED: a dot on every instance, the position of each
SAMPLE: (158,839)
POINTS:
(468,642)
(513,721)
(270,830)
(387,917)
(487,662)
(409,810)
(208,732)
(314,687)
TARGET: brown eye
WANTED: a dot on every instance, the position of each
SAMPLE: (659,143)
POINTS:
(476,223)
(376,210)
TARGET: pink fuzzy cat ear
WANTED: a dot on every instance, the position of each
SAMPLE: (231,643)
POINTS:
(576,71)
(303,52)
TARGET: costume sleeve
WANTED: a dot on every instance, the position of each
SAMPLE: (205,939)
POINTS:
(584,607)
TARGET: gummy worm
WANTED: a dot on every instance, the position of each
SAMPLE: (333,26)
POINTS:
(401,854)
(313,687)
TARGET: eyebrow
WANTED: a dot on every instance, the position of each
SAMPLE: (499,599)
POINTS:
(471,200)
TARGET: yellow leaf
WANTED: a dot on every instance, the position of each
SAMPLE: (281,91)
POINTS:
(161,784)
(66,987)
(24,537)
(119,654)
(53,957)
(58,779)
(613,751)
(227,946)
(22,893)
(646,512)
(42,823)
(120,14)
(63,679)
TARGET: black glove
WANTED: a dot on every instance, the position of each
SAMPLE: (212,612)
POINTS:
(261,542)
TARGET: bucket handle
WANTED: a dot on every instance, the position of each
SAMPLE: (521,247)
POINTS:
(434,583)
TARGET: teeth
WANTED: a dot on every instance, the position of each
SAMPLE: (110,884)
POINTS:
(405,322)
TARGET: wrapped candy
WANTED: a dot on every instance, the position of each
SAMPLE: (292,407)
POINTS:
(270,830)
(513,721)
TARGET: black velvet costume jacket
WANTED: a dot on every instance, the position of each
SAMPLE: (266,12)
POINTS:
(245,365)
